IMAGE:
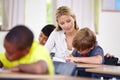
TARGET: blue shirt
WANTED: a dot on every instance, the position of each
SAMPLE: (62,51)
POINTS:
(97,50)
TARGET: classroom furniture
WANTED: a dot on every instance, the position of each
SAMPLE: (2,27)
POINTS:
(98,71)
(26,76)
(107,71)
(64,68)
(85,65)
(81,67)
(111,60)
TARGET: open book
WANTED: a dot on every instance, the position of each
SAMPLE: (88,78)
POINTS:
(58,59)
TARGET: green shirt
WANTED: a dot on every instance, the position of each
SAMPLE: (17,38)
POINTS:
(37,52)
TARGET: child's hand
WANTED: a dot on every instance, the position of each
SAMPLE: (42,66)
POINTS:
(14,69)
(69,59)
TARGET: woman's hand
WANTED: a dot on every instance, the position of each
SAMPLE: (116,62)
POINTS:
(70,59)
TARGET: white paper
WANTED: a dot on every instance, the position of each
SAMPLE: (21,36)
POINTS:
(58,59)
(3,70)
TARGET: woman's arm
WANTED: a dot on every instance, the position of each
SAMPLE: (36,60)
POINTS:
(50,42)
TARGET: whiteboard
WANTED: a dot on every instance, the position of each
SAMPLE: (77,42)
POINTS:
(111,5)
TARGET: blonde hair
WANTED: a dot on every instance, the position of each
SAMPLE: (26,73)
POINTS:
(84,39)
(64,10)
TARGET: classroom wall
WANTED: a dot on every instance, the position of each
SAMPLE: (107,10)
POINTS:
(109,30)
(2,35)
(108,37)
(35,15)
(35,18)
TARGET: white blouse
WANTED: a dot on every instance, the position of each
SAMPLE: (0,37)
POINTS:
(57,41)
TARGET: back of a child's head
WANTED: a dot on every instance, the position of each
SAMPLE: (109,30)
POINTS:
(84,39)
(20,35)
(47,29)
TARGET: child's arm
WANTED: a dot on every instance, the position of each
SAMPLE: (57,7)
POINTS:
(69,57)
(93,59)
(39,67)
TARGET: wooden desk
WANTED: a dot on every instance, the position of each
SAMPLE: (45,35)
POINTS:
(83,65)
(106,69)
(81,69)
(21,76)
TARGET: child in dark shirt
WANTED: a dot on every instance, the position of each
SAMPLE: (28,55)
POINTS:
(86,48)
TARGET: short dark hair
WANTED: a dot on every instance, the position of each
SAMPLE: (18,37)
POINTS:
(21,36)
(48,29)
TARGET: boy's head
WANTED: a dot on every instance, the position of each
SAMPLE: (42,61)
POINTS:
(17,42)
(84,40)
(45,32)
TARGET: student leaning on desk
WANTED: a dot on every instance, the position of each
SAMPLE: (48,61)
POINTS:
(24,54)
(86,48)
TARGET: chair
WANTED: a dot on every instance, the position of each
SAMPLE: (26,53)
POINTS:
(110,60)
(64,68)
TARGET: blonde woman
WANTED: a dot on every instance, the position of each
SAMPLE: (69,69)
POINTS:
(61,38)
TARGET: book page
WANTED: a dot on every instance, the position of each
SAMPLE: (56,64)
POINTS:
(58,59)
(3,70)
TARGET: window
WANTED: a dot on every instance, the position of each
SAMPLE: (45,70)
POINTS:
(49,12)
(35,14)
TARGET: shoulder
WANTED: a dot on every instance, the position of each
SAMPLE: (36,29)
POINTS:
(37,48)
(38,52)
(2,54)
(3,59)
(57,34)
(98,48)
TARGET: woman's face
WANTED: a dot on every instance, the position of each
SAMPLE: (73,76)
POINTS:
(66,23)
